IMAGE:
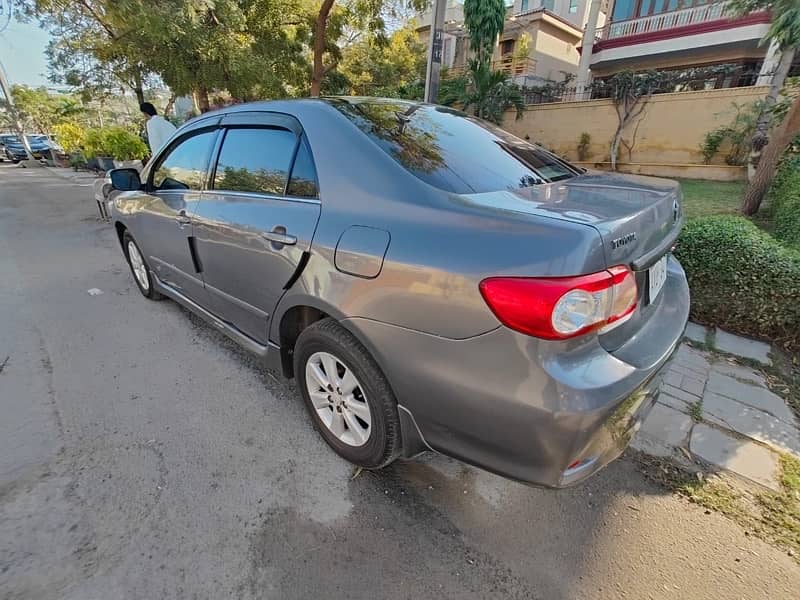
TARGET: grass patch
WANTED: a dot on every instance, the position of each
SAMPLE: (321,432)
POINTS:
(702,198)
(780,513)
(771,516)
(696,411)
(715,495)
(790,478)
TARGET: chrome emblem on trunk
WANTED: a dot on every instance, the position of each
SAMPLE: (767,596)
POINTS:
(623,241)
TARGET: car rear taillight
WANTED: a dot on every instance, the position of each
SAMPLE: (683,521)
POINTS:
(556,308)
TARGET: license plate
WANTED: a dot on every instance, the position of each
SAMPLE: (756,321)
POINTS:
(656,276)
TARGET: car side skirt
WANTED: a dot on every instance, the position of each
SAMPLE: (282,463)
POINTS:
(248,343)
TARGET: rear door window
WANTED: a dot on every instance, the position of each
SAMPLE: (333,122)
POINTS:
(303,182)
(451,150)
(255,160)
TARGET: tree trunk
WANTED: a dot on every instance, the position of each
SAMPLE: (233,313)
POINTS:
(170,104)
(615,146)
(320,29)
(201,98)
(761,134)
(765,171)
(137,87)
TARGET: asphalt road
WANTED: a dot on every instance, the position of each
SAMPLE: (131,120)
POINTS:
(143,456)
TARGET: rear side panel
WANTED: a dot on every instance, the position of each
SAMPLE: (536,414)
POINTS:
(523,407)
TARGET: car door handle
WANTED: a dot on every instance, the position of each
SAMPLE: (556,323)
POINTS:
(279,236)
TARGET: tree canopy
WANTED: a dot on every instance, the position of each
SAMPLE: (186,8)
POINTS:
(484,20)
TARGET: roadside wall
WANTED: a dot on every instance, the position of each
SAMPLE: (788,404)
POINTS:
(667,139)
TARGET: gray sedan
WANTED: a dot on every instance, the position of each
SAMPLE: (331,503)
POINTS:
(432,282)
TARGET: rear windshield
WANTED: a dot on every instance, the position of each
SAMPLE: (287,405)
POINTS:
(451,150)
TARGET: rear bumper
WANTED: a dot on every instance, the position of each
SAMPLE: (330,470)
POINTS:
(526,408)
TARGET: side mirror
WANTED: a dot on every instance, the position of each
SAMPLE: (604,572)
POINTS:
(125,180)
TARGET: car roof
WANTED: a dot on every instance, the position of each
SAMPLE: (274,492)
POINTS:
(297,106)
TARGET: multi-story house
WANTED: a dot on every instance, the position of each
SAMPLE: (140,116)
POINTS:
(679,34)
(551,30)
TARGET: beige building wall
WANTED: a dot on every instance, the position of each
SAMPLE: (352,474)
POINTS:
(667,139)
(555,51)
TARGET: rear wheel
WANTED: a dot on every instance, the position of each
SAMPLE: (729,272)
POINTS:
(347,395)
(139,268)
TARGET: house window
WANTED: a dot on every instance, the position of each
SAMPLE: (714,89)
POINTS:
(549,4)
(524,5)
(506,47)
(573,6)
(623,9)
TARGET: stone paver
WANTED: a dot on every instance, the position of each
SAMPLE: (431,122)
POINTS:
(673,402)
(696,333)
(742,418)
(693,385)
(754,396)
(741,373)
(741,346)
(679,394)
(751,422)
(692,359)
(673,378)
(743,457)
(663,430)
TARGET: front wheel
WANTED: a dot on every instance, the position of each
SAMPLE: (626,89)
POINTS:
(348,397)
(139,268)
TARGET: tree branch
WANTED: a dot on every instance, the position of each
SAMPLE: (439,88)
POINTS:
(100,20)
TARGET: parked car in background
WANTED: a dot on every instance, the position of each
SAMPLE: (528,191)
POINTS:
(14,150)
(431,281)
(6,138)
(48,142)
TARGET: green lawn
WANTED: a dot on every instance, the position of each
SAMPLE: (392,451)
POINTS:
(703,198)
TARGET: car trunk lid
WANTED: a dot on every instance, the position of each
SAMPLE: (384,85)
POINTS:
(637,217)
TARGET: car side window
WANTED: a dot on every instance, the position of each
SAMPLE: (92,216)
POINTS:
(303,182)
(255,160)
(184,166)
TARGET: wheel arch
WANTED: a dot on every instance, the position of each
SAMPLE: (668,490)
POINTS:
(304,311)
(299,312)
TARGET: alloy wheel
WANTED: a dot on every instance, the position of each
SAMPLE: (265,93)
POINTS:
(138,266)
(338,398)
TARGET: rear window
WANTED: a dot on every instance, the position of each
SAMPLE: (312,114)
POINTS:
(451,150)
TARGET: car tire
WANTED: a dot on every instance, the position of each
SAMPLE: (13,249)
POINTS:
(341,421)
(139,267)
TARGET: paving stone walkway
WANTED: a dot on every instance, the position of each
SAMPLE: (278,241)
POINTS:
(720,412)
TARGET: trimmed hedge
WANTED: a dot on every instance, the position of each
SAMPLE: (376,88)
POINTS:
(742,279)
(784,195)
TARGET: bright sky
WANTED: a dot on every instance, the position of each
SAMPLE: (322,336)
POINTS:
(22,48)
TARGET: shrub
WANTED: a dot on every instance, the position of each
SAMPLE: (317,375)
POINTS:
(741,278)
(735,136)
(784,196)
(583,146)
(116,142)
(69,135)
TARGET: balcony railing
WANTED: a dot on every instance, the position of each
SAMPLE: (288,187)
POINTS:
(509,65)
(662,21)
